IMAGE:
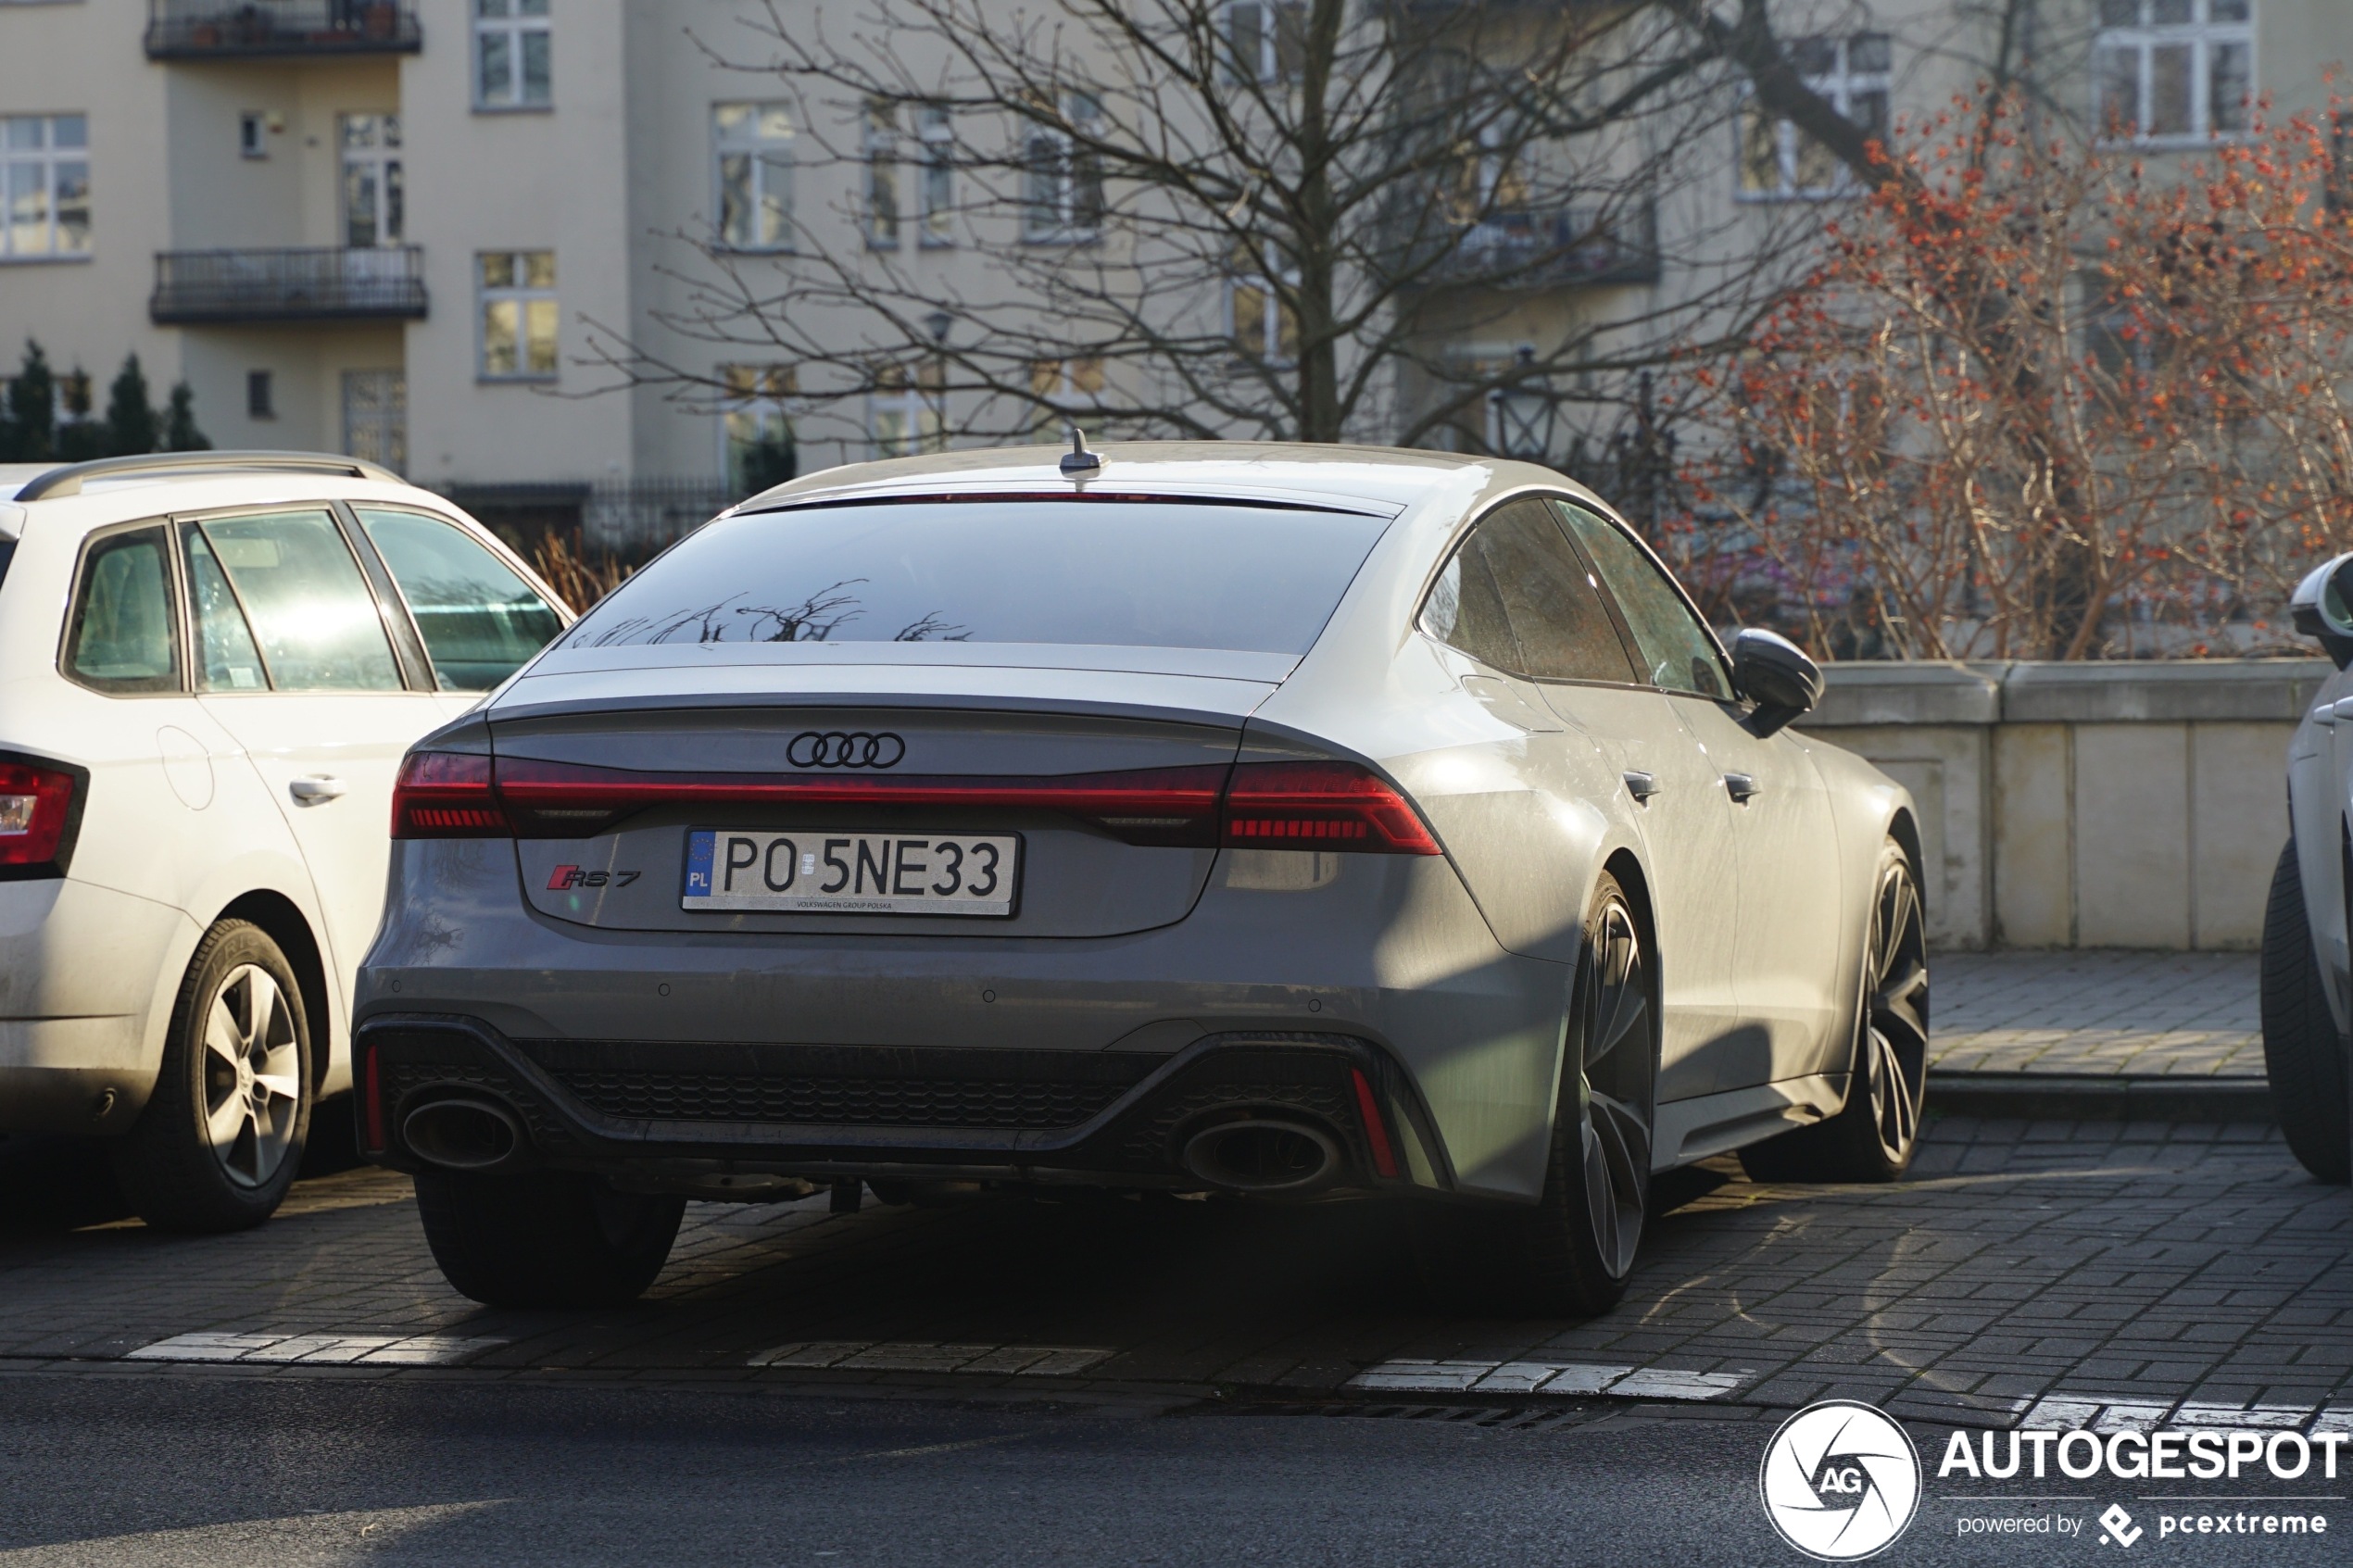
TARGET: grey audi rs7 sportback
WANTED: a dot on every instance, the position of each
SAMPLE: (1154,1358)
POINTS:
(1271,822)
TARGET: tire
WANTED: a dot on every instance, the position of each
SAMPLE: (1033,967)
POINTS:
(1573,1252)
(2303,1052)
(220,1140)
(1873,1136)
(547,1238)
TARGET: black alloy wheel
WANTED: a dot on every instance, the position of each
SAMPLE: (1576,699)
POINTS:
(1573,1252)
(1873,1138)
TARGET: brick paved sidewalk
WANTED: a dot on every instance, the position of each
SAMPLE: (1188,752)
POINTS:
(2112,1273)
(2103,1013)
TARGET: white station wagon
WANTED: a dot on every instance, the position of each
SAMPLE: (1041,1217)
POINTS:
(210,664)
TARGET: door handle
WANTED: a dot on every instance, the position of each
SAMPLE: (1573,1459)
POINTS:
(1740,786)
(316,789)
(1641,785)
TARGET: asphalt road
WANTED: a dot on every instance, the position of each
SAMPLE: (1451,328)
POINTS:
(188,1469)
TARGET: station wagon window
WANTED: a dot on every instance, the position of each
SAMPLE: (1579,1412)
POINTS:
(1679,653)
(316,624)
(227,660)
(1515,596)
(119,638)
(479,621)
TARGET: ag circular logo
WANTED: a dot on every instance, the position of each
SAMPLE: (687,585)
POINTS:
(838,749)
(1840,1481)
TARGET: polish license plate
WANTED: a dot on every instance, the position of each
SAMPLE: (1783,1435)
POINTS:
(833,872)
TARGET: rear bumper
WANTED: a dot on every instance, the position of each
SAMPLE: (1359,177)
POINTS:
(652,1109)
(82,972)
(1387,951)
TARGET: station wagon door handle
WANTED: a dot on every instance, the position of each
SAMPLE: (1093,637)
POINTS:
(315,790)
(1641,785)
(1740,786)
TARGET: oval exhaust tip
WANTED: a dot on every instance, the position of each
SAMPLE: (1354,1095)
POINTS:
(462,1135)
(1257,1155)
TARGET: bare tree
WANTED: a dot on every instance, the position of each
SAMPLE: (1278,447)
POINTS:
(1295,219)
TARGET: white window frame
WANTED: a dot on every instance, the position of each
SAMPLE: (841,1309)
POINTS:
(1276,23)
(883,209)
(1066,396)
(522,296)
(513,21)
(1844,85)
(384,155)
(936,177)
(2202,36)
(39,164)
(768,173)
(908,418)
(1050,157)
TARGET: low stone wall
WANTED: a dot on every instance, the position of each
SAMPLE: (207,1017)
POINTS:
(2125,805)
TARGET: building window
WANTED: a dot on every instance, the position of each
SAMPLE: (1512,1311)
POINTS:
(1063,177)
(45,179)
(261,399)
(1066,389)
(1265,40)
(1259,320)
(1776,160)
(253,134)
(371,184)
(2174,69)
(757,426)
(754,145)
(937,191)
(518,315)
(511,55)
(882,174)
(903,413)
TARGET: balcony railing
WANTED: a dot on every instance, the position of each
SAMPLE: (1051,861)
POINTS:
(314,285)
(1551,250)
(205,30)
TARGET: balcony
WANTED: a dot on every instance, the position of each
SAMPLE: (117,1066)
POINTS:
(1563,247)
(221,29)
(318,283)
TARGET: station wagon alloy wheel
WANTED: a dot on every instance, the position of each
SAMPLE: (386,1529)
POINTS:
(253,1077)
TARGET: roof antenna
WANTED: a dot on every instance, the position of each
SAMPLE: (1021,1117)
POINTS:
(1078,461)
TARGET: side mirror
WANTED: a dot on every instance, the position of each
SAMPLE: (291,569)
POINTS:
(2321,607)
(1774,673)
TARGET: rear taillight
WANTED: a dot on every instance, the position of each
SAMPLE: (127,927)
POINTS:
(1320,805)
(36,805)
(445,795)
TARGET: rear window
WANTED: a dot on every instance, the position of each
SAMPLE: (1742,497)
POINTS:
(1120,573)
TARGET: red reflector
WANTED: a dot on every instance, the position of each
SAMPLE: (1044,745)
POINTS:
(1321,806)
(1375,1133)
(34,806)
(445,795)
(373,1103)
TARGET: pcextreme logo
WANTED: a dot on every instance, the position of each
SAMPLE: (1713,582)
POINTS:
(1840,1481)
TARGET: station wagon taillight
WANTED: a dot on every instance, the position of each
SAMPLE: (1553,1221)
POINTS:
(36,803)
(445,795)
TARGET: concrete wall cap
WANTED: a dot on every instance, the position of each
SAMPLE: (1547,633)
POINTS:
(2161,691)
(1921,692)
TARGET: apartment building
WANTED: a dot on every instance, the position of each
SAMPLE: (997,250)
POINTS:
(417,230)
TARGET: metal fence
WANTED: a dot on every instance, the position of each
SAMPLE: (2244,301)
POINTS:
(307,283)
(210,28)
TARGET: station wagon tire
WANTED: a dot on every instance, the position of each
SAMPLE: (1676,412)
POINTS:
(219,1142)
(1873,1136)
(2303,1052)
(1572,1254)
(544,1239)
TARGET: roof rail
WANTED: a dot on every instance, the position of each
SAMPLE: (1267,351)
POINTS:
(69,480)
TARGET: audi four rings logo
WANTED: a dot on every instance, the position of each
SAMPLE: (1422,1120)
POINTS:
(839,749)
